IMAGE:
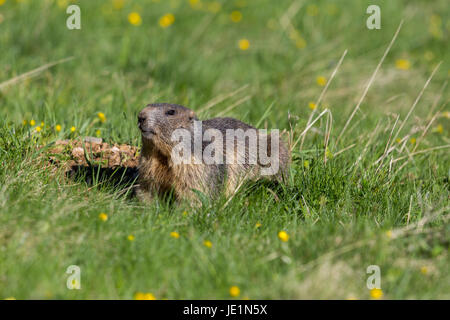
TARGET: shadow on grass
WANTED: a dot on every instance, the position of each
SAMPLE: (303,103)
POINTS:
(121,179)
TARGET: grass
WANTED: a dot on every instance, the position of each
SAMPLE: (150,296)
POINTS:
(342,215)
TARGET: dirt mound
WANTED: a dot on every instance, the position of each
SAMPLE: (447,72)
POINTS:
(91,152)
(96,162)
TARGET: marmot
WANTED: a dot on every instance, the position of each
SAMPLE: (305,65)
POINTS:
(163,168)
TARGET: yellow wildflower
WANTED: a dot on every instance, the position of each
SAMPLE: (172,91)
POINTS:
(130,237)
(38,129)
(149,296)
(236,16)
(135,19)
(423,270)
(244,44)
(62,4)
(306,164)
(389,234)
(439,129)
(75,283)
(283,236)
(207,243)
(103,216)
(58,128)
(376,293)
(312,106)
(235,291)
(412,140)
(101,116)
(321,81)
(166,20)
(2,2)
(42,124)
(195,4)
(175,234)
(295,36)
(300,42)
(98,133)
(32,122)
(402,64)
(72,129)
(398,140)
(258,224)
(144,296)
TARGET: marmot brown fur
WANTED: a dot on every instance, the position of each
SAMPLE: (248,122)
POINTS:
(160,172)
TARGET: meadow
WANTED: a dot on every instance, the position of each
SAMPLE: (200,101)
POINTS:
(365,113)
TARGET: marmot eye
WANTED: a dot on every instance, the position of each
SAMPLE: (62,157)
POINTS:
(170,112)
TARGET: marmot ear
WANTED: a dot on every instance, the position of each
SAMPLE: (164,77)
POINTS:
(191,115)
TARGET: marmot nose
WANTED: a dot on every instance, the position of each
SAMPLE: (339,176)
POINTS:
(141,120)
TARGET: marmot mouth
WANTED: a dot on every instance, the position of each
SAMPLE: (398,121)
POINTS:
(148,131)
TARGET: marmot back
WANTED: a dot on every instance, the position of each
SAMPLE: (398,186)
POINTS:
(180,153)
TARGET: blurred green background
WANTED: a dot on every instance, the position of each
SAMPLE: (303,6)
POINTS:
(118,67)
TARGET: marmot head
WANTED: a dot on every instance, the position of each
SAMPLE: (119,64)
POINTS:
(158,121)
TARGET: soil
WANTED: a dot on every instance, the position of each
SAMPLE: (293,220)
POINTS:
(95,161)
(92,152)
